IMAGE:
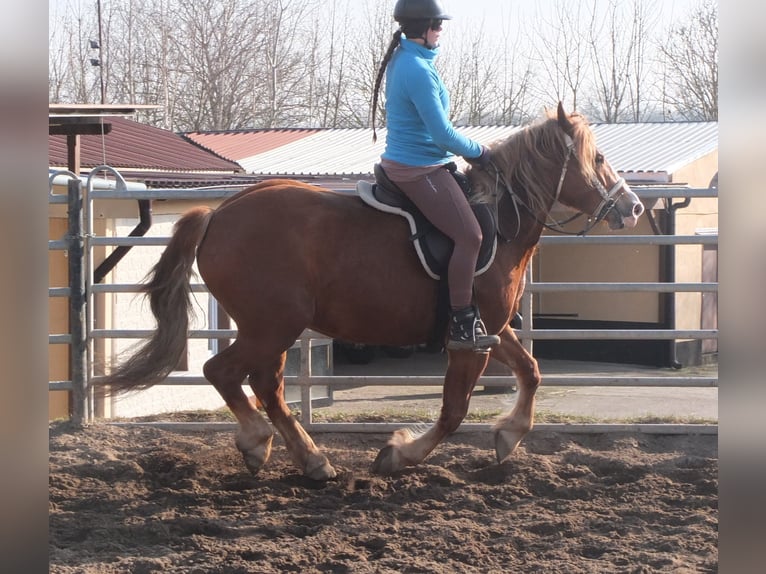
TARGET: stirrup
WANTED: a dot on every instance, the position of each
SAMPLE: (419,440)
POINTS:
(467,332)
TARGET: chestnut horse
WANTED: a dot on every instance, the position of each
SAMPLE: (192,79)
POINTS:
(283,256)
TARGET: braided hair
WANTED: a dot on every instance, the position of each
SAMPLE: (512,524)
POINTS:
(379,79)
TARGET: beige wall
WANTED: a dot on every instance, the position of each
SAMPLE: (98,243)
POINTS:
(698,173)
(589,263)
(131,311)
(702,213)
(58,321)
(58,312)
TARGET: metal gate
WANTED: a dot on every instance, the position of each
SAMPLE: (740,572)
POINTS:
(80,242)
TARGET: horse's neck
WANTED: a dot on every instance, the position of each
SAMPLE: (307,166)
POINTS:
(518,226)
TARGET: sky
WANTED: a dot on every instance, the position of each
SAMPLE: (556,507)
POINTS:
(476,10)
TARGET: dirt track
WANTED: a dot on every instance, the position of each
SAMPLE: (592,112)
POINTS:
(146,500)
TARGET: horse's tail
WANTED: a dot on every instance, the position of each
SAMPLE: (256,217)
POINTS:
(169,293)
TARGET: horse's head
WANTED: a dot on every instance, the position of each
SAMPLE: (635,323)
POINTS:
(589,184)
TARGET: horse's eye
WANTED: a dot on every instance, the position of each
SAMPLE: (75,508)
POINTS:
(599,159)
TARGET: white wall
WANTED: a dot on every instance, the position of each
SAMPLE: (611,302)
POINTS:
(131,311)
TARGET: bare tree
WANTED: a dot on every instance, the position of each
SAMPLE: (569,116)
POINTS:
(215,46)
(329,66)
(231,64)
(641,92)
(160,68)
(71,73)
(470,73)
(59,76)
(124,50)
(561,54)
(691,63)
(617,40)
(515,76)
(286,24)
(369,41)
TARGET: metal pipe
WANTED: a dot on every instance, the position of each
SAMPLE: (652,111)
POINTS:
(670,304)
(77,305)
(144,223)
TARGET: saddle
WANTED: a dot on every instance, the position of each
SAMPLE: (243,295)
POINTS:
(431,245)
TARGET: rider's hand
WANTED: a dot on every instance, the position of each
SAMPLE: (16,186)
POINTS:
(482,160)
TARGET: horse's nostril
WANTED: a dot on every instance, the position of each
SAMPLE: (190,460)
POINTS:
(638,209)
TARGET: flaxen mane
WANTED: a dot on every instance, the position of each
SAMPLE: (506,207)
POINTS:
(538,148)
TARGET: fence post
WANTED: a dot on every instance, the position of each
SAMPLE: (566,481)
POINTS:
(77,303)
(304,379)
(527,306)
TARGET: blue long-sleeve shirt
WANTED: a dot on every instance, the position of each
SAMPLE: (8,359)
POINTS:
(419,131)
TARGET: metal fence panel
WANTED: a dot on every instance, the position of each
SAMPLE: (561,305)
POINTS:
(80,242)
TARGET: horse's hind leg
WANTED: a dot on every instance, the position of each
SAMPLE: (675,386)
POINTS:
(511,428)
(267,381)
(463,370)
(227,371)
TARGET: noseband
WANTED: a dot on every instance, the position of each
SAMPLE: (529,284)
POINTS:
(608,199)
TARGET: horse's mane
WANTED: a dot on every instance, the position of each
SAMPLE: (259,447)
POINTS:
(525,156)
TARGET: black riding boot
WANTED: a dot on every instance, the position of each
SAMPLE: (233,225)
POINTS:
(467,331)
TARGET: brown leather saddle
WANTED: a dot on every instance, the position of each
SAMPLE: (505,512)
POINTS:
(431,245)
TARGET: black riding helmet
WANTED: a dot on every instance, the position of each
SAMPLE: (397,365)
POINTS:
(419,10)
(416,16)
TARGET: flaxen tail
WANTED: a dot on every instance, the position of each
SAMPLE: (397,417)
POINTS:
(169,295)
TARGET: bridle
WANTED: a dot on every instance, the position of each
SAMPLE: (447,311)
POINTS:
(608,199)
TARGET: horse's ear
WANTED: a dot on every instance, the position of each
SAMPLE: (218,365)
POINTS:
(563,120)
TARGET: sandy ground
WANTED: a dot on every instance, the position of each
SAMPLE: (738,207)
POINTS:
(144,500)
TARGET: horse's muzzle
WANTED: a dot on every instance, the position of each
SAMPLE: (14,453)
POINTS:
(626,212)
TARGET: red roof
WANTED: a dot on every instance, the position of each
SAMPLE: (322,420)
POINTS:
(235,145)
(136,146)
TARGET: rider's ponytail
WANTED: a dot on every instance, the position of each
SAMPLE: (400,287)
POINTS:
(381,71)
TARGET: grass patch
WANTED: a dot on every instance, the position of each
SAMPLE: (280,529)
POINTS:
(490,416)
(560,418)
(222,415)
(652,420)
(392,415)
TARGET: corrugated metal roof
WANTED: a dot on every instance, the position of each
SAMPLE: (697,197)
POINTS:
(234,145)
(161,156)
(133,145)
(660,148)
(324,152)
(341,152)
(656,147)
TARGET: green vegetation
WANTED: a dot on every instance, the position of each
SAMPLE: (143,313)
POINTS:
(393,415)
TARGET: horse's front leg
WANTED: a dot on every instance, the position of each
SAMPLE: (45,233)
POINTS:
(511,428)
(404,449)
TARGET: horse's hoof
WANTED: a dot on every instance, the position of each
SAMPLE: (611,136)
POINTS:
(257,456)
(505,443)
(319,468)
(386,463)
(253,462)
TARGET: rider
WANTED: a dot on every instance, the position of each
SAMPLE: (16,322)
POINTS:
(420,141)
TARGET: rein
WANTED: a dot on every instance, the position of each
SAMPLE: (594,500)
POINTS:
(608,200)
